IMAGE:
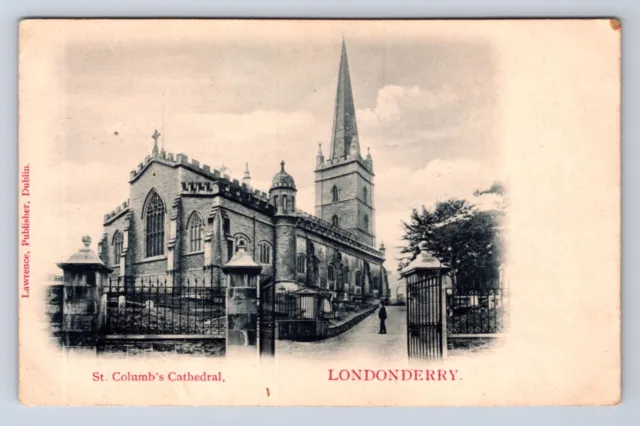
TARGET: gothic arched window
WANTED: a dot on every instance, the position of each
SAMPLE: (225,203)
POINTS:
(264,253)
(154,226)
(301,264)
(334,194)
(364,194)
(334,221)
(285,204)
(366,222)
(118,243)
(196,229)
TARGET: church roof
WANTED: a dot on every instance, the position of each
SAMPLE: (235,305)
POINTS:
(344,140)
(283,179)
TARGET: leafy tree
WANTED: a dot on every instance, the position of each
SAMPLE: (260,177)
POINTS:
(460,234)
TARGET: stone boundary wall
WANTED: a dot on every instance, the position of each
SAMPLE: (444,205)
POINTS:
(350,323)
(315,330)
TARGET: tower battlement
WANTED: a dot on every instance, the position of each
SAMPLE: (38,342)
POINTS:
(333,162)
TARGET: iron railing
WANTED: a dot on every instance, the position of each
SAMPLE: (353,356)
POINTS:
(154,306)
(476,310)
(292,305)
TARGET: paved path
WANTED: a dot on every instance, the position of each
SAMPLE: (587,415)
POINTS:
(362,340)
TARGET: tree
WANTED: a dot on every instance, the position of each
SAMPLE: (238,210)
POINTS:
(462,235)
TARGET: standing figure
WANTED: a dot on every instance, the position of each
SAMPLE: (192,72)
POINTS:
(382,314)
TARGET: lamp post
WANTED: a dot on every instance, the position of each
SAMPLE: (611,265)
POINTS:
(243,276)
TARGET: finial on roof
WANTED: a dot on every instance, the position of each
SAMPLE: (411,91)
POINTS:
(86,241)
(282,166)
(319,156)
(247,176)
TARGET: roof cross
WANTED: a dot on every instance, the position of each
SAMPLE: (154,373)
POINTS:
(155,137)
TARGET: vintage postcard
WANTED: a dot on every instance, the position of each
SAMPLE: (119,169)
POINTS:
(319,213)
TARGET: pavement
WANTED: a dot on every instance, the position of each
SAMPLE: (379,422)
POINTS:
(362,340)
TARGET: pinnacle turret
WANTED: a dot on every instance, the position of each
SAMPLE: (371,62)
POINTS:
(247,176)
(319,156)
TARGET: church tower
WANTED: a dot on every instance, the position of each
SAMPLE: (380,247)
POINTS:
(344,180)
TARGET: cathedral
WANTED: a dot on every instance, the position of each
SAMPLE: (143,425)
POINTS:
(184,220)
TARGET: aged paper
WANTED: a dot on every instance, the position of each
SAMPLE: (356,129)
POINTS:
(319,213)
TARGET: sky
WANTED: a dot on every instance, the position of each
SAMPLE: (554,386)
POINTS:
(425,107)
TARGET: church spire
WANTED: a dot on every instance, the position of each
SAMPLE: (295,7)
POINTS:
(344,140)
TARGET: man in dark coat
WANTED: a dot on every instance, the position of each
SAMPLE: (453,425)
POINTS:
(382,314)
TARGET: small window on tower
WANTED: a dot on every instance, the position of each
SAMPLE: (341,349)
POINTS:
(366,222)
(364,194)
(334,221)
(334,194)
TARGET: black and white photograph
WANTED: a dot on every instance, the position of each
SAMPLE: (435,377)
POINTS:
(294,192)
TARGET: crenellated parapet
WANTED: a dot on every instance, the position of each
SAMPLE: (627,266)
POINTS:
(332,162)
(324,228)
(230,189)
(116,213)
(182,160)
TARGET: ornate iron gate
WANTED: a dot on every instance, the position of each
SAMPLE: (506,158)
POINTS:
(426,338)
(266,318)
